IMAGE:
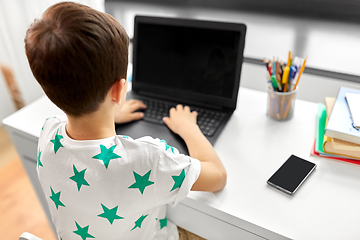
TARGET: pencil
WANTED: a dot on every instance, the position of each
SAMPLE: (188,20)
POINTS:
(301,71)
(278,74)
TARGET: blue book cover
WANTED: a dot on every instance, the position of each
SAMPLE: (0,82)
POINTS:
(340,124)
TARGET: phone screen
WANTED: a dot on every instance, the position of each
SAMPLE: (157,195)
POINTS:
(291,174)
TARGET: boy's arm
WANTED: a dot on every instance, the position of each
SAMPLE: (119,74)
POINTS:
(213,175)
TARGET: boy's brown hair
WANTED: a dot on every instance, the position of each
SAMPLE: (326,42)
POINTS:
(76,54)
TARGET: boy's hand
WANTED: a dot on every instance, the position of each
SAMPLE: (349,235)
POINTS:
(181,120)
(127,112)
(213,174)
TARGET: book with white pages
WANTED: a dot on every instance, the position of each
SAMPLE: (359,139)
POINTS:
(353,100)
(340,124)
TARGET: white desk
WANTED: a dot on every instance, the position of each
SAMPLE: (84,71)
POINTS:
(251,147)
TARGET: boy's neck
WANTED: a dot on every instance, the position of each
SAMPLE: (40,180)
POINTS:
(97,125)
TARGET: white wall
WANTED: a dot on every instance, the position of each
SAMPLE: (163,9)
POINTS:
(312,88)
(313,39)
(6,105)
(15,18)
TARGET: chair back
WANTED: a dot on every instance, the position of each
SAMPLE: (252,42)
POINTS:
(28,236)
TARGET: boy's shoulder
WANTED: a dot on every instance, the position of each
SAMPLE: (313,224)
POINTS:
(54,120)
(151,142)
(53,124)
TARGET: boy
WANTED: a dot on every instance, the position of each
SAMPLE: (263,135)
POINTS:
(99,184)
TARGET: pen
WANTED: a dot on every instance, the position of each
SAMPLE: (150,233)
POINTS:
(274,68)
(267,66)
(291,76)
(285,77)
(274,82)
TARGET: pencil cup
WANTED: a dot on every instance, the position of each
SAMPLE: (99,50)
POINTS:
(281,104)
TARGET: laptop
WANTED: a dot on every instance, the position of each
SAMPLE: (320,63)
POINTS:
(185,61)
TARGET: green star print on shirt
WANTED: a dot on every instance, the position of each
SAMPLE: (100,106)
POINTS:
(106,155)
(163,222)
(79,178)
(56,141)
(83,232)
(110,214)
(39,162)
(138,222)
(141,182)
(167,146)
(178,180)
(56,198)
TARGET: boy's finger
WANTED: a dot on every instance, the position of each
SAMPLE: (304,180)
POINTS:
(136,116)
(137,105)
(179,107)
(166,120)
(171,111)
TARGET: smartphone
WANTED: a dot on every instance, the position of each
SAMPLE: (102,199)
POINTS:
(291,174)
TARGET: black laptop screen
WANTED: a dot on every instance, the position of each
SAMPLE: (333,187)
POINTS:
(200,61)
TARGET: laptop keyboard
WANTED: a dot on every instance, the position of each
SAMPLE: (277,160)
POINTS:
(208,120)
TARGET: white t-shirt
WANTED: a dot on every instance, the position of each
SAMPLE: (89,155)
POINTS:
(113,188)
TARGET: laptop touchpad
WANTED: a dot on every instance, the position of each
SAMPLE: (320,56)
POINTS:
(140,129)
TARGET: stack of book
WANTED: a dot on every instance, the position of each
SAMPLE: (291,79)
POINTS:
(337,136)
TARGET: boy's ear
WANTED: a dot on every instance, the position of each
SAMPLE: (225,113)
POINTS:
(117,90)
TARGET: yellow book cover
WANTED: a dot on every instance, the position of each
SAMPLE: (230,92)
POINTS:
(337,146)
(343,145)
